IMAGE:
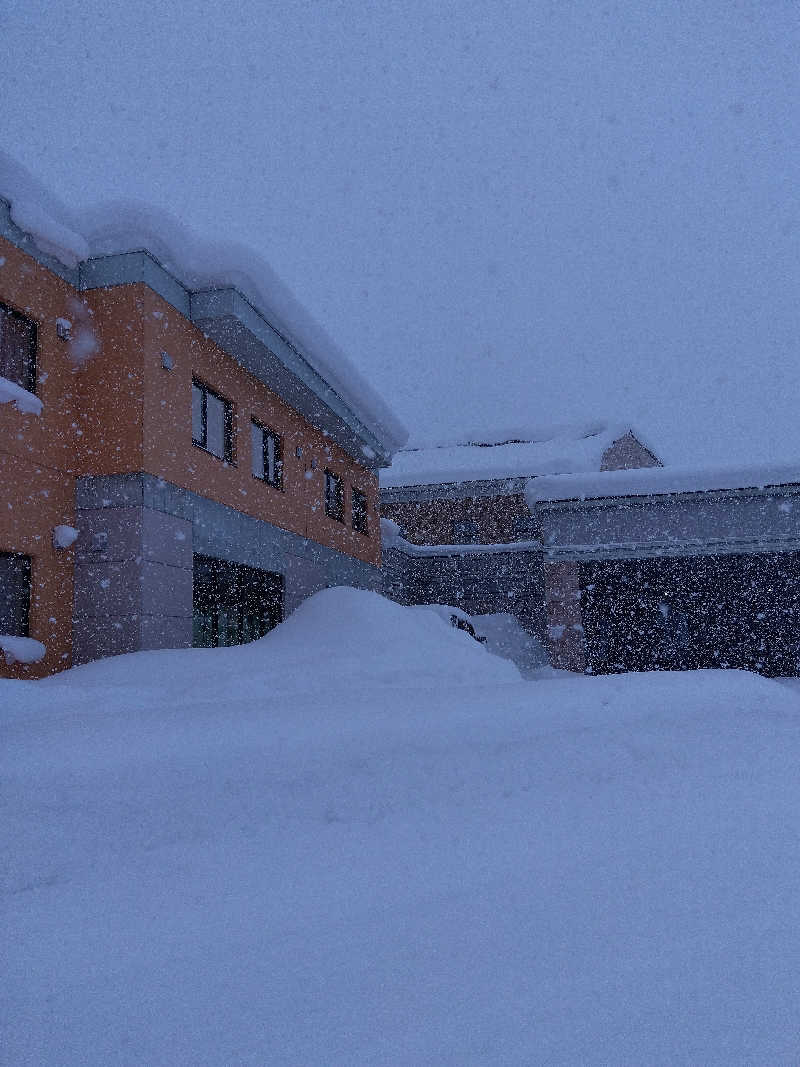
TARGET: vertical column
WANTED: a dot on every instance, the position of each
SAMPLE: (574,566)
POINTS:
(133,573)
(565,637)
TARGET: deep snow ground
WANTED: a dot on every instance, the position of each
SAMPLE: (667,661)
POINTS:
(372,843)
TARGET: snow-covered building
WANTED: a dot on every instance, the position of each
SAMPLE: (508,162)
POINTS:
(458,528)
(216,458)
(673,568)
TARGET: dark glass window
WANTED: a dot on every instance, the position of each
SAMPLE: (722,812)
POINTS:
(232,603)
(334,496)
(360,510)
(17,348)
(267,450)
(15,594)
(212,422)
(465,532)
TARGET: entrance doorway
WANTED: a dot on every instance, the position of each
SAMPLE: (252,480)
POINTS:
(233,604)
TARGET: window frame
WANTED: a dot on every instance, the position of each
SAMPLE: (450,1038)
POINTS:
(26,568)
(331,477)
(363,527)
(33,347)
(266,434)
(227,448)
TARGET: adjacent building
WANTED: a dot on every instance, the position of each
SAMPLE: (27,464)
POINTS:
(213,473)
(462,532)
(672,569)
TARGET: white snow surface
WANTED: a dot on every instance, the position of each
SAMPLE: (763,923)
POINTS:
(64,536)
(392,537)
(557,450)
(362,840)
(21,649)
(127,225)
(655,481)
(24,401)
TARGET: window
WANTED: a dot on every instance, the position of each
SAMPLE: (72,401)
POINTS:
(334,496)
(267,450)
(360,510)
(233,604)
(17,348)
(465,532)
(212,422)
(525,528)
(15,594)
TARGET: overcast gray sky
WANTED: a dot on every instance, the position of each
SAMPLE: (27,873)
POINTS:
(506,213)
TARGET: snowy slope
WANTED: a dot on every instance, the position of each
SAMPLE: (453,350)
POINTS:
(339,865)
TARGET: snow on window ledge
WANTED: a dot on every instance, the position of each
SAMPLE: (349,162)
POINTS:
(65,536)
(24,401)
(21,649)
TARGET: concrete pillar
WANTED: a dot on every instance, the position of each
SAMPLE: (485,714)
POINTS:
(133,582)
(565,636)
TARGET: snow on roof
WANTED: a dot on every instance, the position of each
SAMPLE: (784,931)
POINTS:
(115,227)
(657,481)
(557,450)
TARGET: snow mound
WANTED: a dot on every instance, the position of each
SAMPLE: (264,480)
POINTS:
(339,637)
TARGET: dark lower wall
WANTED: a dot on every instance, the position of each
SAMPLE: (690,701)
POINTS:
(686,613)
(133,572)
(479,583)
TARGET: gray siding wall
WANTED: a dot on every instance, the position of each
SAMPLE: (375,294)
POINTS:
(133,573)
(746,520)
(479,583)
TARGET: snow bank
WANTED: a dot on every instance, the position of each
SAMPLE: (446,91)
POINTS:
(337,637)
(502,635)
(572,871)
(655,481)
(22,400)
(124,226)
(568,450)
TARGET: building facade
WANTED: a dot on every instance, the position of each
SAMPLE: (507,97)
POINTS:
(672,570)
(214,476)
(463,533)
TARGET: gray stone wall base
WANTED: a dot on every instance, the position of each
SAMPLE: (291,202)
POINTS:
(133,570)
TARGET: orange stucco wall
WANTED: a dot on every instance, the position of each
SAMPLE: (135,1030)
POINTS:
(118,412)
(170,454)
(38,460)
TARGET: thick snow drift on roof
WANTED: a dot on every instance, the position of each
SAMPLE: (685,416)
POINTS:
(556,451)
(654,481)
(114,227)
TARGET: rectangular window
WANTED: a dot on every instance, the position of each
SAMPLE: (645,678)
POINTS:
(17,348)
(359,503)
(334,496)
(267,450)
(465,532)
(212,422)
(15,594)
